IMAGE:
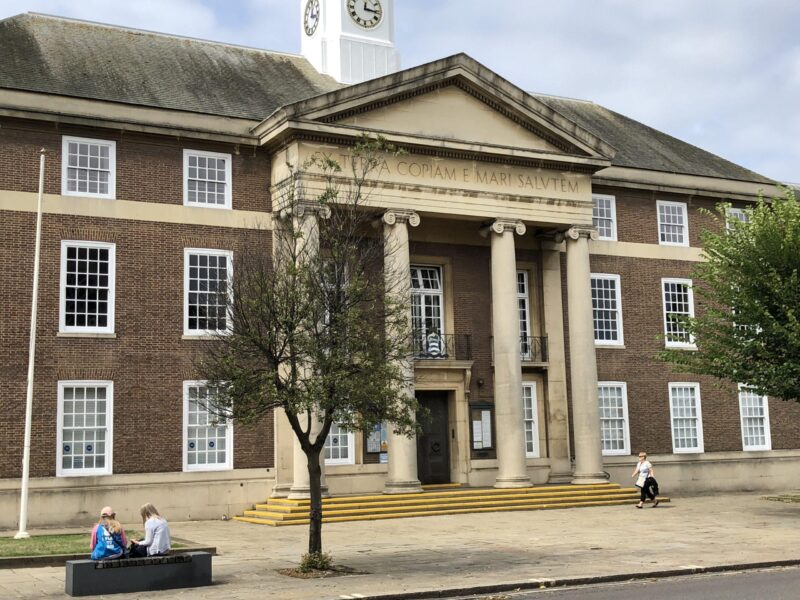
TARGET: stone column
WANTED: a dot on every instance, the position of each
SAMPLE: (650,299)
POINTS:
(512,469)
(402,478)
(583,362)
(306,222)
(557,408)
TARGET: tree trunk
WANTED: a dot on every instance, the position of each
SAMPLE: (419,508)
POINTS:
(315,510)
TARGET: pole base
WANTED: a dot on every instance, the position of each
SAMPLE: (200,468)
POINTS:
(22,535)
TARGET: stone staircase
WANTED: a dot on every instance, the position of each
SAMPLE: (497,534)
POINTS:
(448,499)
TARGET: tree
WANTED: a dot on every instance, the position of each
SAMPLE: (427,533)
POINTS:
(748,325)
(319,331)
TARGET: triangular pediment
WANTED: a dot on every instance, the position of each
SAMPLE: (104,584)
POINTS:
(453,114)
(453,105)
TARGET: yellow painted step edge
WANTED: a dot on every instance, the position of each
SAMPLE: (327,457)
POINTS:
(451,493)
(440,513)
(424,499)
(435,507)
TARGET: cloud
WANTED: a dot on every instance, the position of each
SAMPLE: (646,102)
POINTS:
(721,74)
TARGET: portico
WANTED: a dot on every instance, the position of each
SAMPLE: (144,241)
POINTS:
(493,180)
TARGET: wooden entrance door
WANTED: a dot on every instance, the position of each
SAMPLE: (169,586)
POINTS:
(433,451)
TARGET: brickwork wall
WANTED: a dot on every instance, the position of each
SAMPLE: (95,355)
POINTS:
(148,361)
(149,167)
(647,378)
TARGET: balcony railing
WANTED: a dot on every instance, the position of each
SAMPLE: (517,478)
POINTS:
(453,346)
(533,349)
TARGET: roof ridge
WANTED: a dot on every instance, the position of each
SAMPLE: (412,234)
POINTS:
(151,32)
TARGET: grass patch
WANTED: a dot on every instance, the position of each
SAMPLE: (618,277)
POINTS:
(46,545)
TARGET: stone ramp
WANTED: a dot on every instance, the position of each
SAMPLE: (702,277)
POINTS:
(447,499)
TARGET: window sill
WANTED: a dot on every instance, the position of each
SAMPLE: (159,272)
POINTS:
(610,346)
(76,334)
(203,336)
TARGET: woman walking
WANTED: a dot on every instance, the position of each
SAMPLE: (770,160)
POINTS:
(645,481)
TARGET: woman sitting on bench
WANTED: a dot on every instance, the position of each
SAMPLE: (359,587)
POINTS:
(156,534)
(108,537)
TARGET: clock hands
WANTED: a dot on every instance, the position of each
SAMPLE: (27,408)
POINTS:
(367,9)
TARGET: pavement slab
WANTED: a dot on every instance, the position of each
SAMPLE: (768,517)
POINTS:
(426,554)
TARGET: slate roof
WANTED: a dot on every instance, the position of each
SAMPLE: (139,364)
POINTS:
(54,55)
(48,54)
(642,147)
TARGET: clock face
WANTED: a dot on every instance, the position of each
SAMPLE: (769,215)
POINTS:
(367,13)
(311,16)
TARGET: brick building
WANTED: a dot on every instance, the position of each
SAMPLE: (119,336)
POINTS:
(550,241)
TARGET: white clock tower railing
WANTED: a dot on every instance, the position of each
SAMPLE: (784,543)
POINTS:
(350,40)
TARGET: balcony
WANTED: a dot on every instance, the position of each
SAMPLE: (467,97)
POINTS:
(434,346)
(531,349)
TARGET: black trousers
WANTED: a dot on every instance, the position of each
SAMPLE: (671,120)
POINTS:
(646,490)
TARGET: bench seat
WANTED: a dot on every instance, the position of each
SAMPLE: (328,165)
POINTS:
(184,570)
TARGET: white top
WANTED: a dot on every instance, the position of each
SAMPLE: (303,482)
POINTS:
(156,536)
(644,468)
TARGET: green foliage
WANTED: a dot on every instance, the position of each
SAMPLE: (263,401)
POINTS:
(747,327)
(315,561)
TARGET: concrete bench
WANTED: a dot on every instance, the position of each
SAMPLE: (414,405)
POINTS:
(89,577)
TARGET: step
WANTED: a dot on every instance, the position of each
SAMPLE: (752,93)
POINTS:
(446,494)
(432,507)
(425,499)
(447,511)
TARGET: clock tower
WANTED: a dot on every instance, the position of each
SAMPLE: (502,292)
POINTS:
(350,40)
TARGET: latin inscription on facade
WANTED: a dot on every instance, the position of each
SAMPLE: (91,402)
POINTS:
(465,174)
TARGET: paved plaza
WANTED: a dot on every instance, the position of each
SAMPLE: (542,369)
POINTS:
(434,553)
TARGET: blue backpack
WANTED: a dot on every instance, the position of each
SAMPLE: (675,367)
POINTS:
(108,545)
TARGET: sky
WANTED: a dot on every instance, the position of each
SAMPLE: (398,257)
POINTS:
(721,74)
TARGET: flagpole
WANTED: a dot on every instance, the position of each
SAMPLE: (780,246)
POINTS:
(26,453)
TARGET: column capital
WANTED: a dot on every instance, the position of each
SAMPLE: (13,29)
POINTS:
(396,215)
(500,226)
(306,209)
(578,231)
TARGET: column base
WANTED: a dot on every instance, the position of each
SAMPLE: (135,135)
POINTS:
(513,482)
(304,493)
(565,477)
(588,478)
(281,490)
(402,487)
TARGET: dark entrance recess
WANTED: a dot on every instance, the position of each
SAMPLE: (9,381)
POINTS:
(433,451)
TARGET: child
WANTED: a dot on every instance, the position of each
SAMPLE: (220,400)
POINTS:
(108,537)
(156,534)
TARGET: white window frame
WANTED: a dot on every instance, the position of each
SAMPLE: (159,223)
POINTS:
(734,213)
(228,179)
(351,448)
(112,277)
(626,431)
(767,434)
(112,167)
(537,450)
(439,293)
(208,252)
(620,341)
(613,207)
(228,464)
(684,211)
(688,283)
(526,352)
(109,441)
(700,448)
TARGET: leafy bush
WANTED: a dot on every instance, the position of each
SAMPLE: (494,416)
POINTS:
(315,561)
